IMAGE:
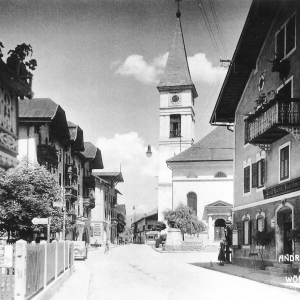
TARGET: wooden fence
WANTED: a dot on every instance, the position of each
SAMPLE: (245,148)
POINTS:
(37,265)
(7,275)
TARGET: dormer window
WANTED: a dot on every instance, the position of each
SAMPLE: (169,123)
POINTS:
(175,126)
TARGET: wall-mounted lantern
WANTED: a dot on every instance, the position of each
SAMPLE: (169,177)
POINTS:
(149,153)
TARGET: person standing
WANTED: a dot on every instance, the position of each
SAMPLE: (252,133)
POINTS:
(221,256)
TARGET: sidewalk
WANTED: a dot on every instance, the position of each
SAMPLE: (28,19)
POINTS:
(255,275)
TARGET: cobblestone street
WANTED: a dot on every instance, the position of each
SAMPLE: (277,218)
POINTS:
(138,272)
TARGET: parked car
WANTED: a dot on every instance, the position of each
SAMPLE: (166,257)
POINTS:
(80,250)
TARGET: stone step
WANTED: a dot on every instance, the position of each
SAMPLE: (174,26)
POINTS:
(270,273)
(279,270)
(282,265)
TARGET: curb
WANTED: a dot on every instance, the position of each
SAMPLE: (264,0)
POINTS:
(201,251)
(254,279)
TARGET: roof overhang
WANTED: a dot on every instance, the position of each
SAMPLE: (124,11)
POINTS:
(109,176)
(254,33)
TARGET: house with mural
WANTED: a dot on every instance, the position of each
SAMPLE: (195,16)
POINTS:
(260,97)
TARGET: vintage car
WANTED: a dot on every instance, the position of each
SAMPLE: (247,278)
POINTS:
(80,250)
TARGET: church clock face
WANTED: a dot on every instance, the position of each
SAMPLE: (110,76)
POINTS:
(175,99)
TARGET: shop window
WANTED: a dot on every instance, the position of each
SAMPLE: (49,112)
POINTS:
(286,38)
(284,161)
(175,126)
(246,179)
(258,174)
(192,201)
(246,230)
(260,223)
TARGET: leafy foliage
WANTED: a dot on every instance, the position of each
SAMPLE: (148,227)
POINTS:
(263,238)
(159,226)
(28,192)
(294,234)
(121,225)
(184,218)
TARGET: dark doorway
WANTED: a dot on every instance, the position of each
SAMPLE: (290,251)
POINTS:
(284,222)
(219,229)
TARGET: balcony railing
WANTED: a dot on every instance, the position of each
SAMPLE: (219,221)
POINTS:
(174,133)
(269,123)
(47,153)
(71,192)
(89,202)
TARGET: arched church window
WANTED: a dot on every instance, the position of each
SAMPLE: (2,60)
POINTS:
(220,175)
(175,126)
(192,201)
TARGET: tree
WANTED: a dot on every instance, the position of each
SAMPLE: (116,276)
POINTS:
(184,218)
(26,192)
(159,226)
(121,223)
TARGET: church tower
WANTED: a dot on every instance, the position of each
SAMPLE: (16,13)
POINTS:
(176,114)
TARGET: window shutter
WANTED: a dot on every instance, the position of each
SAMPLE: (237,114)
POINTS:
(265,224)
(262,173)
(254,175)
(239,226)
(247,179)
(249,232)
(284,162)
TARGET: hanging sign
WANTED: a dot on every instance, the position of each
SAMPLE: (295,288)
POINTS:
(234,237)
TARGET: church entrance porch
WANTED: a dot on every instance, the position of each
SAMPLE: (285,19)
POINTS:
(284,227)
(219,232)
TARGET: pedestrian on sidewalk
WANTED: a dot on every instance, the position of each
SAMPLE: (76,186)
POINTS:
(221,256)
(106,247)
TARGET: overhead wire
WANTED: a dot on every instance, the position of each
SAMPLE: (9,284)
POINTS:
(218,26)
(207,23)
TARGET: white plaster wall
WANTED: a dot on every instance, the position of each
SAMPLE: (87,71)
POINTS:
(27,143)
(97,214)
(164,199)
(208,191)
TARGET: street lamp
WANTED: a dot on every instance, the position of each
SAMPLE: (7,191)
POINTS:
(149,153)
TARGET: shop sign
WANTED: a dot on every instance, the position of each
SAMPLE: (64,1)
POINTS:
(97,230)
(235,237)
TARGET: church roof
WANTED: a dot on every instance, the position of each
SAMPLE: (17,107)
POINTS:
(177,72)
(216,146)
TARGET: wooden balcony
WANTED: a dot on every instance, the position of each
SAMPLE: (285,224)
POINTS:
(89,182)
(71,170)
(273,121)
(71,192)
(89,202)
(47,153)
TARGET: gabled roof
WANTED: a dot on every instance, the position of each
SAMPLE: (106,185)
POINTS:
(255,31)
(113,176)
(177,72)
(92,153)
(219,203)
(45,110)
(218,145)
(76,135)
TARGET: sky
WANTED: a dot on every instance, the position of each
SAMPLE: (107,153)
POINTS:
(101,61)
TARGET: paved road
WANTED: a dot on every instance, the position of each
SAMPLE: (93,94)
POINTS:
(138,272)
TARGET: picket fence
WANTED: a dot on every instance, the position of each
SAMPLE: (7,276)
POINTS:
(34,267)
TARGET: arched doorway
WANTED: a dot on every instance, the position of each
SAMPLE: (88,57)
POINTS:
(285,225)
(219,233)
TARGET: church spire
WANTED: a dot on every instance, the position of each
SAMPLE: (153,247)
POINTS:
(177,72)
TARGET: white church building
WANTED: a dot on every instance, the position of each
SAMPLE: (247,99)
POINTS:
(197,174)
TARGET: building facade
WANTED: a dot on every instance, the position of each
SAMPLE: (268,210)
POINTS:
(12,87)
(176,114)
(104,216)
(260,96)
(202,178)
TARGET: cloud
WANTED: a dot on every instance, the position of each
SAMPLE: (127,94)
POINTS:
(201,68)
(129,150)
(148,73)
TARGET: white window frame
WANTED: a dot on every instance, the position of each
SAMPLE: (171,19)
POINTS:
(247,216)
(292,86)
(279,166)
(286,55)
(247,163)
